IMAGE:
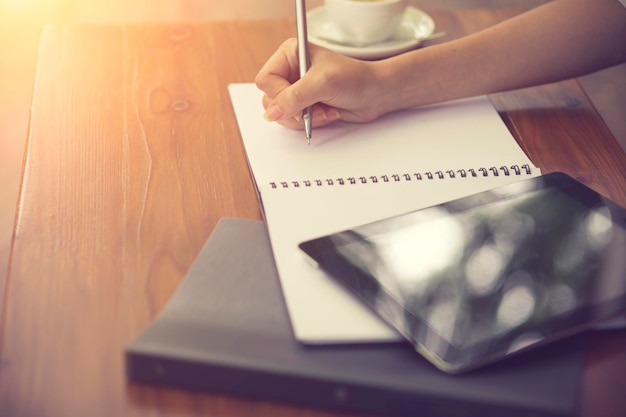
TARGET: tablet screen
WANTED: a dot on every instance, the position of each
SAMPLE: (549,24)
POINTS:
(477,279)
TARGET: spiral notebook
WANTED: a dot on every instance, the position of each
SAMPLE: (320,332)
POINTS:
(352,174)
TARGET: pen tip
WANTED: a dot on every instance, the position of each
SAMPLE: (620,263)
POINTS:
(307,124)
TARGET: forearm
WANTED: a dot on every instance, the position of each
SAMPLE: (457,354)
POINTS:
(560,40)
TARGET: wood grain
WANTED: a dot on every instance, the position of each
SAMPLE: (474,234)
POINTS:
(562,132)
(136,132)
(133,155)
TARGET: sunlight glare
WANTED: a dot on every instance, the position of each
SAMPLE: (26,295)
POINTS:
(31,11)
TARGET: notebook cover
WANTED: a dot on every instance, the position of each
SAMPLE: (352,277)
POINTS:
(226,330)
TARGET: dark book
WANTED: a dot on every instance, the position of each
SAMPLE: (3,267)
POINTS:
(226,330)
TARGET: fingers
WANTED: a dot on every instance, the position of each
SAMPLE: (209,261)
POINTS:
(284,99)
(336,87)
(280,70)
(290,101)
(285,94)
(322,115)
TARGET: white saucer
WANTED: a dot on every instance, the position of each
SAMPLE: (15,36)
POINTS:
(415,25)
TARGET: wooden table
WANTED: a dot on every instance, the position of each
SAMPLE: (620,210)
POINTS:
(132,157)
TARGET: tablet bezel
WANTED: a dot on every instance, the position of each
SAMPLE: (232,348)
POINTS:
(447,357)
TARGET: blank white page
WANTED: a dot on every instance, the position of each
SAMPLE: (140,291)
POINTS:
(352,174)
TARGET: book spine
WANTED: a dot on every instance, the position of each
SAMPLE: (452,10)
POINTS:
(258,382)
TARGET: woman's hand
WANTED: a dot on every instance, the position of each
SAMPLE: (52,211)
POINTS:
(336,86)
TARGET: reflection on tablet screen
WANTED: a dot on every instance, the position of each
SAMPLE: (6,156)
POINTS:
(476,279)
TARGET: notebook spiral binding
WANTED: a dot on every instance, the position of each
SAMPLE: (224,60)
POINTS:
(416,176)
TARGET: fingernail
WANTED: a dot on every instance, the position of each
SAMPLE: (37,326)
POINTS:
(273,113)
(332,115)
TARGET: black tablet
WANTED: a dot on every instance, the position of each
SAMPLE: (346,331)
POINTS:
(477,279)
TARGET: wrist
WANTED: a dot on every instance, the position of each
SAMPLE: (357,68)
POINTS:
(387,83)
(407,80)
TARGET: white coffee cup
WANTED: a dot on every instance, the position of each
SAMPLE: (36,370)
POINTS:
(364,22)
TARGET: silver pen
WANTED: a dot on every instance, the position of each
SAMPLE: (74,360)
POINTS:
(303,59)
